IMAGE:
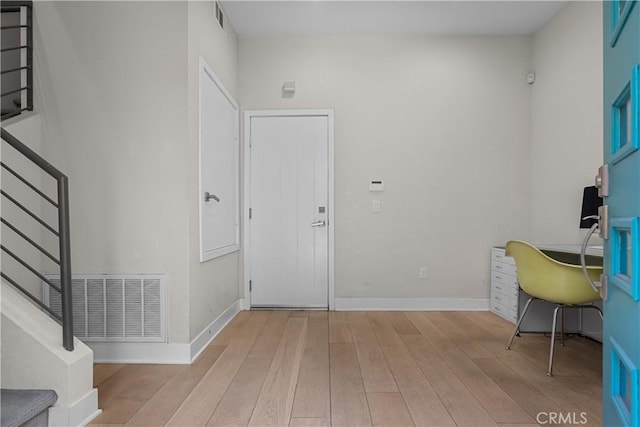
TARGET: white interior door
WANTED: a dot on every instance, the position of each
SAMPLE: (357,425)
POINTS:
(289,210)
(219,168)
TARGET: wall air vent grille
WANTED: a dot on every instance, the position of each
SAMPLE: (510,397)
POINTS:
(219,15)
(121,308)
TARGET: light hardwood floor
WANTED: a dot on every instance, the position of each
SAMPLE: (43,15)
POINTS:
(311,368)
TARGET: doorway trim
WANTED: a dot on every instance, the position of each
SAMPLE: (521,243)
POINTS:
(246,175)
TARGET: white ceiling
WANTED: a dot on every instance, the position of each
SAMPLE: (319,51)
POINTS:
(263,19)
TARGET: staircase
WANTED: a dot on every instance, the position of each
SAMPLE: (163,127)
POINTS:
(42,363)
(63,258)
(47,374)
(17,57)
(26,407)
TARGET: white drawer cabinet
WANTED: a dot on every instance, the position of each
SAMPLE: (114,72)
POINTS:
(508,300)
(504,286)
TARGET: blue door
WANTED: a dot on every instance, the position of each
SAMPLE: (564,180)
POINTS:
(621,290)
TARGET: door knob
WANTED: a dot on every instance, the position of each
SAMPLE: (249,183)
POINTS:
(319,223)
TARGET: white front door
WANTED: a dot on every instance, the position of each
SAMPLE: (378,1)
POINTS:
(289,210)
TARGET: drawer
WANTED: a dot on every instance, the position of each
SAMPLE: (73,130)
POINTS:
(500,299)
(504,312)
(509,302)
(506,281)
(510,295)
(503,267)
(499,288)
(498,308)
(497,254)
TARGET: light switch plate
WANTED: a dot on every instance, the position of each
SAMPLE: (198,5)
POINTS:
(375,206)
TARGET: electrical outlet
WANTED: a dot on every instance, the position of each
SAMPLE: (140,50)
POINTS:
(375,206)
(423,273)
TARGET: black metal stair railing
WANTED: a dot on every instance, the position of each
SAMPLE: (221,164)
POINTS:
(63,260)
(16,57)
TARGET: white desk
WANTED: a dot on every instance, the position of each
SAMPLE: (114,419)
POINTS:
(593,250)
(508,300)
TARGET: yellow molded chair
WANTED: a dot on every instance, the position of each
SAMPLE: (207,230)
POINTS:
(547,279)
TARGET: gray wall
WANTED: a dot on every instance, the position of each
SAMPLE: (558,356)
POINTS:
(471,155)
(213,284)
(112,94)
(444,121)
(464,146)
(26,129)
(566,120)
(118,96)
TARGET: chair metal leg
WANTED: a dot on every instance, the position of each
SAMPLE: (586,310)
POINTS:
(517,328)
(599,311)
(562,326)
(553,338)
(595,307)
(580,320)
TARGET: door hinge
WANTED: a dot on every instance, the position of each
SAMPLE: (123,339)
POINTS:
(603,221)
(250,285)
(602,181)
(250,213)
(604,284)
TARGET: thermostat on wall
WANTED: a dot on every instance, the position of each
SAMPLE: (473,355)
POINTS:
(376,186)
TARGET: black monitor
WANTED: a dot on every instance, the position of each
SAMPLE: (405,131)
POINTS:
(590,204)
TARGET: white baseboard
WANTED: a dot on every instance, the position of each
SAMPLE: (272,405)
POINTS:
(415,304)
(164,353)
(140,352)
(80,413)
(209,333)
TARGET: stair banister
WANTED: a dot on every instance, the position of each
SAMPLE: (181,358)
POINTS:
(64,257)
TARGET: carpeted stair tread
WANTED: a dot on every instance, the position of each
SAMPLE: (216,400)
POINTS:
(18,407)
